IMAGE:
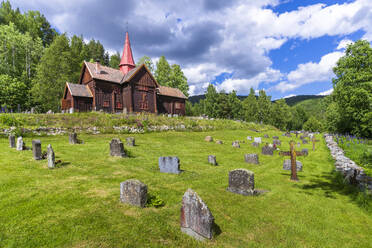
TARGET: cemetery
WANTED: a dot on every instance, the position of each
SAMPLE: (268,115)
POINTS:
(167,189)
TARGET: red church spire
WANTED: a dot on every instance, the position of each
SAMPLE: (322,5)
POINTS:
(127,63)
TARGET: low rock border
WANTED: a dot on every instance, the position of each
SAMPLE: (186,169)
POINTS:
(352,173)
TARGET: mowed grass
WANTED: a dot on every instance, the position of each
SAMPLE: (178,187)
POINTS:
(77,205)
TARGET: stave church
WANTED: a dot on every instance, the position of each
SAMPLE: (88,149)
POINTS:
(128,89)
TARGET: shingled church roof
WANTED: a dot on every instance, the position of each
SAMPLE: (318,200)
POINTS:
(79,90)
(173,92)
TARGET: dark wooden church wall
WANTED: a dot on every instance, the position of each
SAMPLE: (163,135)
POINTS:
(144,92)
(105,96)
(171,105)
(83,104)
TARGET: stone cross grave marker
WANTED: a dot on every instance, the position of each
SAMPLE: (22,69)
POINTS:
(292,153)
(314,140)
(196,219)
(169,165)
(12,142)
(133,192)
(36,149)
(117,148)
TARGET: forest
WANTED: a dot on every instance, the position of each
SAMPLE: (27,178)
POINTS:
(36,62)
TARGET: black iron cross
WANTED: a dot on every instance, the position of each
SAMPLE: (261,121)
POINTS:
(293,153)
(314,140)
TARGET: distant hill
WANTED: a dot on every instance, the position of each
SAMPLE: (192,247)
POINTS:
(290,100)
(293,100)
(313,107)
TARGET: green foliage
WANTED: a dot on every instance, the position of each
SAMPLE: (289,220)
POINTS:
(280,114)
(250,107)
(178,80)
(313,125)
(96,51)
(352,96)
(154,200)
(148,62)
(115,60)
(210,102)
(9,120)
(264,107)
(12,92)
(31,22)
(299,117)
(54,70)
(163,71)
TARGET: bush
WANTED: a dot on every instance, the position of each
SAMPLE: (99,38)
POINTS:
(153,200)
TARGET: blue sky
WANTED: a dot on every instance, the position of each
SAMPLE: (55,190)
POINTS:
(285,47)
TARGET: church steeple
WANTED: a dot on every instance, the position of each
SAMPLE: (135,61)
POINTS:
(127,63)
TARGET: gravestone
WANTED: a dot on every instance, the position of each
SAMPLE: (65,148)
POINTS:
(12,142)
(51,157)
(36,149)
(288,135)
(251,158)
(72,138)
(249,138)
(298,144)
(266,136)
(305,151)
(169,165)
(133,192)
(212,159)
(20,144)
(117,148)
(236,144)
(275,137)
(196,219)
(267,150)
(287,165)
(241,181)
(130,141)
(304,141)
(258,140)
(208,138)
(219,142)
(277,142)
(255,144)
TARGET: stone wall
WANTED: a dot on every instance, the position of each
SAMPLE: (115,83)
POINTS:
(352,173)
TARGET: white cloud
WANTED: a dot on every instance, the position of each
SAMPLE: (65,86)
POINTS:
(343,44)
(310,72)
(326,93)
(289,96)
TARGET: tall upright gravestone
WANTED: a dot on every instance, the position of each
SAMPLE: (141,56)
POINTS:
(20,144)
(51,157)
(72,138)
(196,218)
(12,142)
(36,149)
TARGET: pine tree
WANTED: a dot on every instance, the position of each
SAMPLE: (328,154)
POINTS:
(54,70)
(250,107)
(163,71)
(264,107)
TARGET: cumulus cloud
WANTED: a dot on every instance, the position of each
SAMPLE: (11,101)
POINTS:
(326,93)
(209,37)
(310,72)
(343,44)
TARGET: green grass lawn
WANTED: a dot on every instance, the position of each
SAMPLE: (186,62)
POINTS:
(77,205)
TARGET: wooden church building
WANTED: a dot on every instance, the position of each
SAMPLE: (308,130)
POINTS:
(127,89)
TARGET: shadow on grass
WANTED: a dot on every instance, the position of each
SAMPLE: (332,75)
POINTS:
(216,229)
(333,182)
(60,164)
